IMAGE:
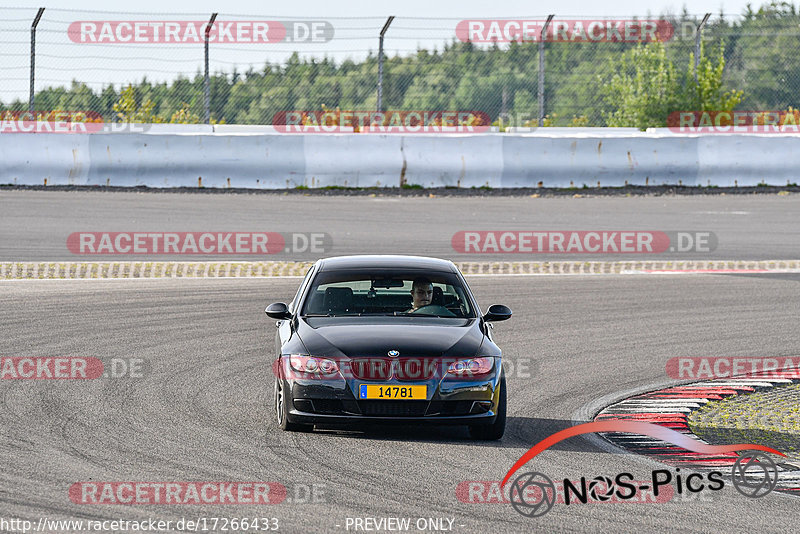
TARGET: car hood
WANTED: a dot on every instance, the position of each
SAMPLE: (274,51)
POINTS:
(342,337)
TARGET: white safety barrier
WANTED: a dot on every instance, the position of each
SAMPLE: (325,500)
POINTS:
(258,157)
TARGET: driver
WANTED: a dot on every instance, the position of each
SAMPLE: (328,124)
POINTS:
(421,293)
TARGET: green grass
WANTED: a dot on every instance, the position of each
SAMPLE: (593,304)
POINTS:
(769,418)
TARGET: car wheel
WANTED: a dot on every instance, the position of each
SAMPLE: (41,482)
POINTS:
(282,412)
(496,429)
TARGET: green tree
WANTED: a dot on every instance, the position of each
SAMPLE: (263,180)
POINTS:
(646,88)
(708,93)
(129,110)
(184,116)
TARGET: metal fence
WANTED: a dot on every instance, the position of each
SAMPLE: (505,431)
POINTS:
(246,68)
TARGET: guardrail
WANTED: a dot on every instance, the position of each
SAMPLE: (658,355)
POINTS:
(256,157)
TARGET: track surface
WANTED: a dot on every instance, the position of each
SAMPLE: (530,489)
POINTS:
(34,225)
(201,411)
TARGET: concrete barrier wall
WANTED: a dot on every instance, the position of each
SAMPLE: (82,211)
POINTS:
(559,161)
(259,158)
(454,161)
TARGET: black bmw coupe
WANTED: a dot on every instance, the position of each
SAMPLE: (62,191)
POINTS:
(378,339)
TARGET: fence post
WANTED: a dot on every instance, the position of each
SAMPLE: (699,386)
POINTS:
(33,56)
(206,89)
(380,63)
(542,37)
(698,35)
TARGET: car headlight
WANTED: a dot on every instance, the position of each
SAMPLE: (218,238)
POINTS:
(304,363)
(471,368)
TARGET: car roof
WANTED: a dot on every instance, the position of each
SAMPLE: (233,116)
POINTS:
(386,261)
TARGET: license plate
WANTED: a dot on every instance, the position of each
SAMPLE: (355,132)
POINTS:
(374,391)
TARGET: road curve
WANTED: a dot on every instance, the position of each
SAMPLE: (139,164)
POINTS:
(200,412)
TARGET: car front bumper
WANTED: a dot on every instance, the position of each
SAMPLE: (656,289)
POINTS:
(449,402)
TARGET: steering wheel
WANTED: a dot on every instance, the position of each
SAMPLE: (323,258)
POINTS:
(435,309)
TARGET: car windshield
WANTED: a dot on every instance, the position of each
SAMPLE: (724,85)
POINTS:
(387,293)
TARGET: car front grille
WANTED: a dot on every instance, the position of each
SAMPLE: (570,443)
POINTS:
(408,369)
(371,368)
(387,408)
(405,369)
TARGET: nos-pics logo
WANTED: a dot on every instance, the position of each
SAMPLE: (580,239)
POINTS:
(533,494)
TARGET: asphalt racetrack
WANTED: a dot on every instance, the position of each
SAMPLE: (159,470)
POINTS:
(201,410)
(35,225)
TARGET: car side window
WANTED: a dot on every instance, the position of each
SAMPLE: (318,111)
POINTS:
(303,284)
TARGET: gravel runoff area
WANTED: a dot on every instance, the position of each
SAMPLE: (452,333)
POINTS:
(770,418)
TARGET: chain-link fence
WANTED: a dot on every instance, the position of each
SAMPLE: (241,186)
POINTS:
(151,67)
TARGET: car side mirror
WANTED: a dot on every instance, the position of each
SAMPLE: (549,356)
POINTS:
(278,310)
(497,312)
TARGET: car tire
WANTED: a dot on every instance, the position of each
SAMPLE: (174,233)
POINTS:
(282,411)
(495,430)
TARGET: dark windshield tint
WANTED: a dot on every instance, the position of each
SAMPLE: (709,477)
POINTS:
(382,292)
